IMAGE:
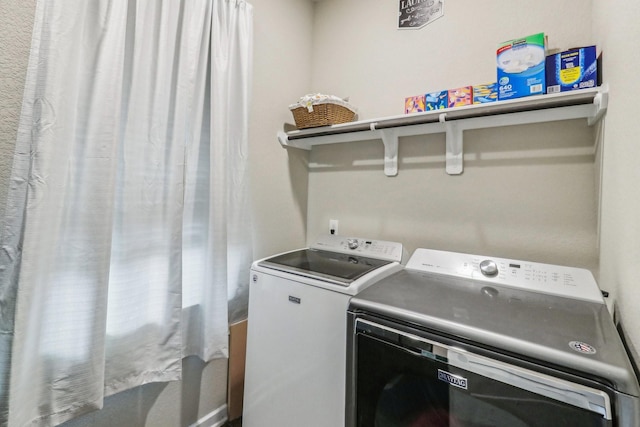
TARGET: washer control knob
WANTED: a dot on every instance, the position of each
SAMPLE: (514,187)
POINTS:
(489,268)
(352,243)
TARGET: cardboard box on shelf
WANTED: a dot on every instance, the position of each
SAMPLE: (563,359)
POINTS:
(414,104)
(572,69)
(460,96)
(484,93)
(521,67)
(436,100)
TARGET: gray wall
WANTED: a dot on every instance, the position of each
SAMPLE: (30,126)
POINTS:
(16,22)
(527,192)
(282,73)
(618,32)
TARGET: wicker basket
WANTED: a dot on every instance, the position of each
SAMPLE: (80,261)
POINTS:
(324,114)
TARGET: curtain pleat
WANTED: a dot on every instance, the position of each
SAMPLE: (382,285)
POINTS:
(127,225)
(220,230)
(144,304)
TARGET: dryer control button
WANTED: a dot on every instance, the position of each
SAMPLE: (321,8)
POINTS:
(489,268)
(352,243)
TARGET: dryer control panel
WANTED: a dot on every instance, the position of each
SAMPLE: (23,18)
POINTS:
(379,249)
(577,283)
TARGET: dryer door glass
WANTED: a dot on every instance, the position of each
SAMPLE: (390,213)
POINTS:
(404,382)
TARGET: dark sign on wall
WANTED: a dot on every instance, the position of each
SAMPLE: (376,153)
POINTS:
(414,14)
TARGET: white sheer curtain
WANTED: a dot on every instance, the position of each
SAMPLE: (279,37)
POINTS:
(127,227)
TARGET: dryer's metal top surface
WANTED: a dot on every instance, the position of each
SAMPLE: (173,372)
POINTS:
(577,334)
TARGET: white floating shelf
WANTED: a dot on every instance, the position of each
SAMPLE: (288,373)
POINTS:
(590,104)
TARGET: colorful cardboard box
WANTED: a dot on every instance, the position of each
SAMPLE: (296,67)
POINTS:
(460,96)
(436,100)
(484,93)
(414,104)
(572,69)
(521,67)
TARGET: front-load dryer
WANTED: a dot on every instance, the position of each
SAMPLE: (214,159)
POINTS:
(296,339)
(464,340)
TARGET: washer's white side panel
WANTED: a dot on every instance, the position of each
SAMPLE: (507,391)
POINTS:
(295,368)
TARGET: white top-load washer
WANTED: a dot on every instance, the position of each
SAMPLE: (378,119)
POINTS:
(296,339)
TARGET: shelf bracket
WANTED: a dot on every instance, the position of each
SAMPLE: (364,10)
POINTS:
(390,141)
(601,102)
(454,148)
(283,138)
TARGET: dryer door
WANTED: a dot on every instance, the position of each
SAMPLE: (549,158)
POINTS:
(406,380)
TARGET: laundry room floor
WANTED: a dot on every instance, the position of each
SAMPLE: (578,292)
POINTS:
(234,423)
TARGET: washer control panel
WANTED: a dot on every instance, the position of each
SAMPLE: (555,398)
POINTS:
(551,279)
(379,249)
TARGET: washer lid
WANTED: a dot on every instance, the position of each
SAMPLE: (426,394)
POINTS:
(337,268)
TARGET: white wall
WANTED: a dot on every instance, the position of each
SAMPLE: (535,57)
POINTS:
(617,30)
(527,192)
